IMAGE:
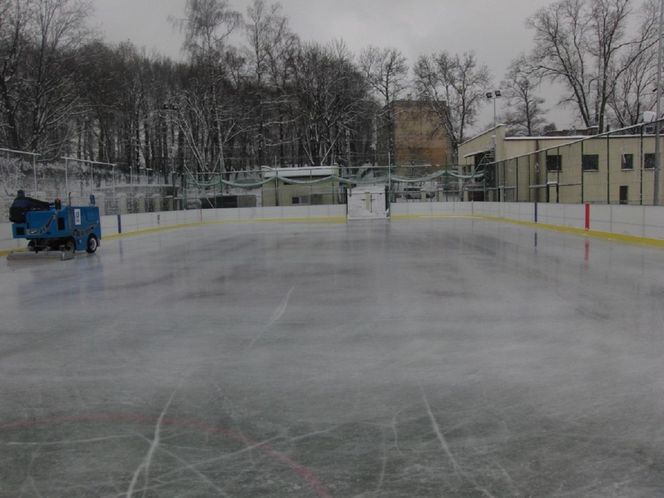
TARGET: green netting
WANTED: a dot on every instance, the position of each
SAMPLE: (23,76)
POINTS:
(433,176)
(339,179)
(239,184)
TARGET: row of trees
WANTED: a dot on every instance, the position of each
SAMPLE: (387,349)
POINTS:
(603,53)
(250,92)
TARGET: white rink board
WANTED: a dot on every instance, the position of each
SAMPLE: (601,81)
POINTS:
(639,221)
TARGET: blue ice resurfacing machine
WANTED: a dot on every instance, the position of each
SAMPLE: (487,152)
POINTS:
(53,230)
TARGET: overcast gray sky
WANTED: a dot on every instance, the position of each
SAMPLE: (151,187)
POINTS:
(494,29)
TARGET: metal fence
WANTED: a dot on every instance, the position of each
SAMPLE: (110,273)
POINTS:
(121,189)
(321,185)
(117,189)
(616,167)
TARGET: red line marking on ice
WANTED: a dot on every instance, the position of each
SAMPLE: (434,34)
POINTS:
(300,470)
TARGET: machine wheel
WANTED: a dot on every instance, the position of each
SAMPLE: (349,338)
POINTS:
(70,245)
(37,245)
(92,245)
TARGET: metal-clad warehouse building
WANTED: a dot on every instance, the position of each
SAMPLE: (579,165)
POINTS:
(610,168)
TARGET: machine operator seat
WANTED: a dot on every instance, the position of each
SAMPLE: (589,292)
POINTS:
(23,204)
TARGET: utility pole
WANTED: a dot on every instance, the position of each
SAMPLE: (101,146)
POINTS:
(658,152)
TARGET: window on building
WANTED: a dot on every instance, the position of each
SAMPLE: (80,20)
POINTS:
(627,161)
(554,163)
(590,162)
(303,199)
(649,161)
(624,194)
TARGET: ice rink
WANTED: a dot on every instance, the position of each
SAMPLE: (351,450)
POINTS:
(450,358)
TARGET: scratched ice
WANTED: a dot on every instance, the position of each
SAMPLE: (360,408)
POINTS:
(412,358)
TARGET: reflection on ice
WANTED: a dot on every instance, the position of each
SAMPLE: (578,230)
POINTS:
(434,358)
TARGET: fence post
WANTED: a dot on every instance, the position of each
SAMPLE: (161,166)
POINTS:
(34,171)
(389,181)
(583,172)
(546,169)
(560,166)
(504,180)
(66,176)
(530,194)
(641,168)
(517,180)
(608,169)
(184,189)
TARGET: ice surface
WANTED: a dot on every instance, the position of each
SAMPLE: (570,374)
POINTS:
(430,358)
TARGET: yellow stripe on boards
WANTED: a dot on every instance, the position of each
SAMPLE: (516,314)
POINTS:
(610,236)
(143,231)
(615,237)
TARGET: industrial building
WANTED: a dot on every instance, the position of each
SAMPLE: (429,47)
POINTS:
(417,138)
(615,168)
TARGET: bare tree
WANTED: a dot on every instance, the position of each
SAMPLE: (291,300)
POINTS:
(61,32)
(226,107)
(207,25)
(386,71)
(330,94)
(39,42)
(14,40)
(524,115)
(264,29)
(632,91)
(584,45)
(270,44)
(203,110)
(454,86)
(281,48)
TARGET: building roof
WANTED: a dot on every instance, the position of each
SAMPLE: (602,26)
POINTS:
(485,132)
(547,137)
(477,152)
(300,172)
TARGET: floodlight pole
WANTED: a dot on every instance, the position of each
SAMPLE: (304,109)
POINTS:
(495,120)
(658,152)
(494,95)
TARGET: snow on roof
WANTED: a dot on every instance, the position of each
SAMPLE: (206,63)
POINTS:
(301,172)
(477,152)
(561,137)
(485,132)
